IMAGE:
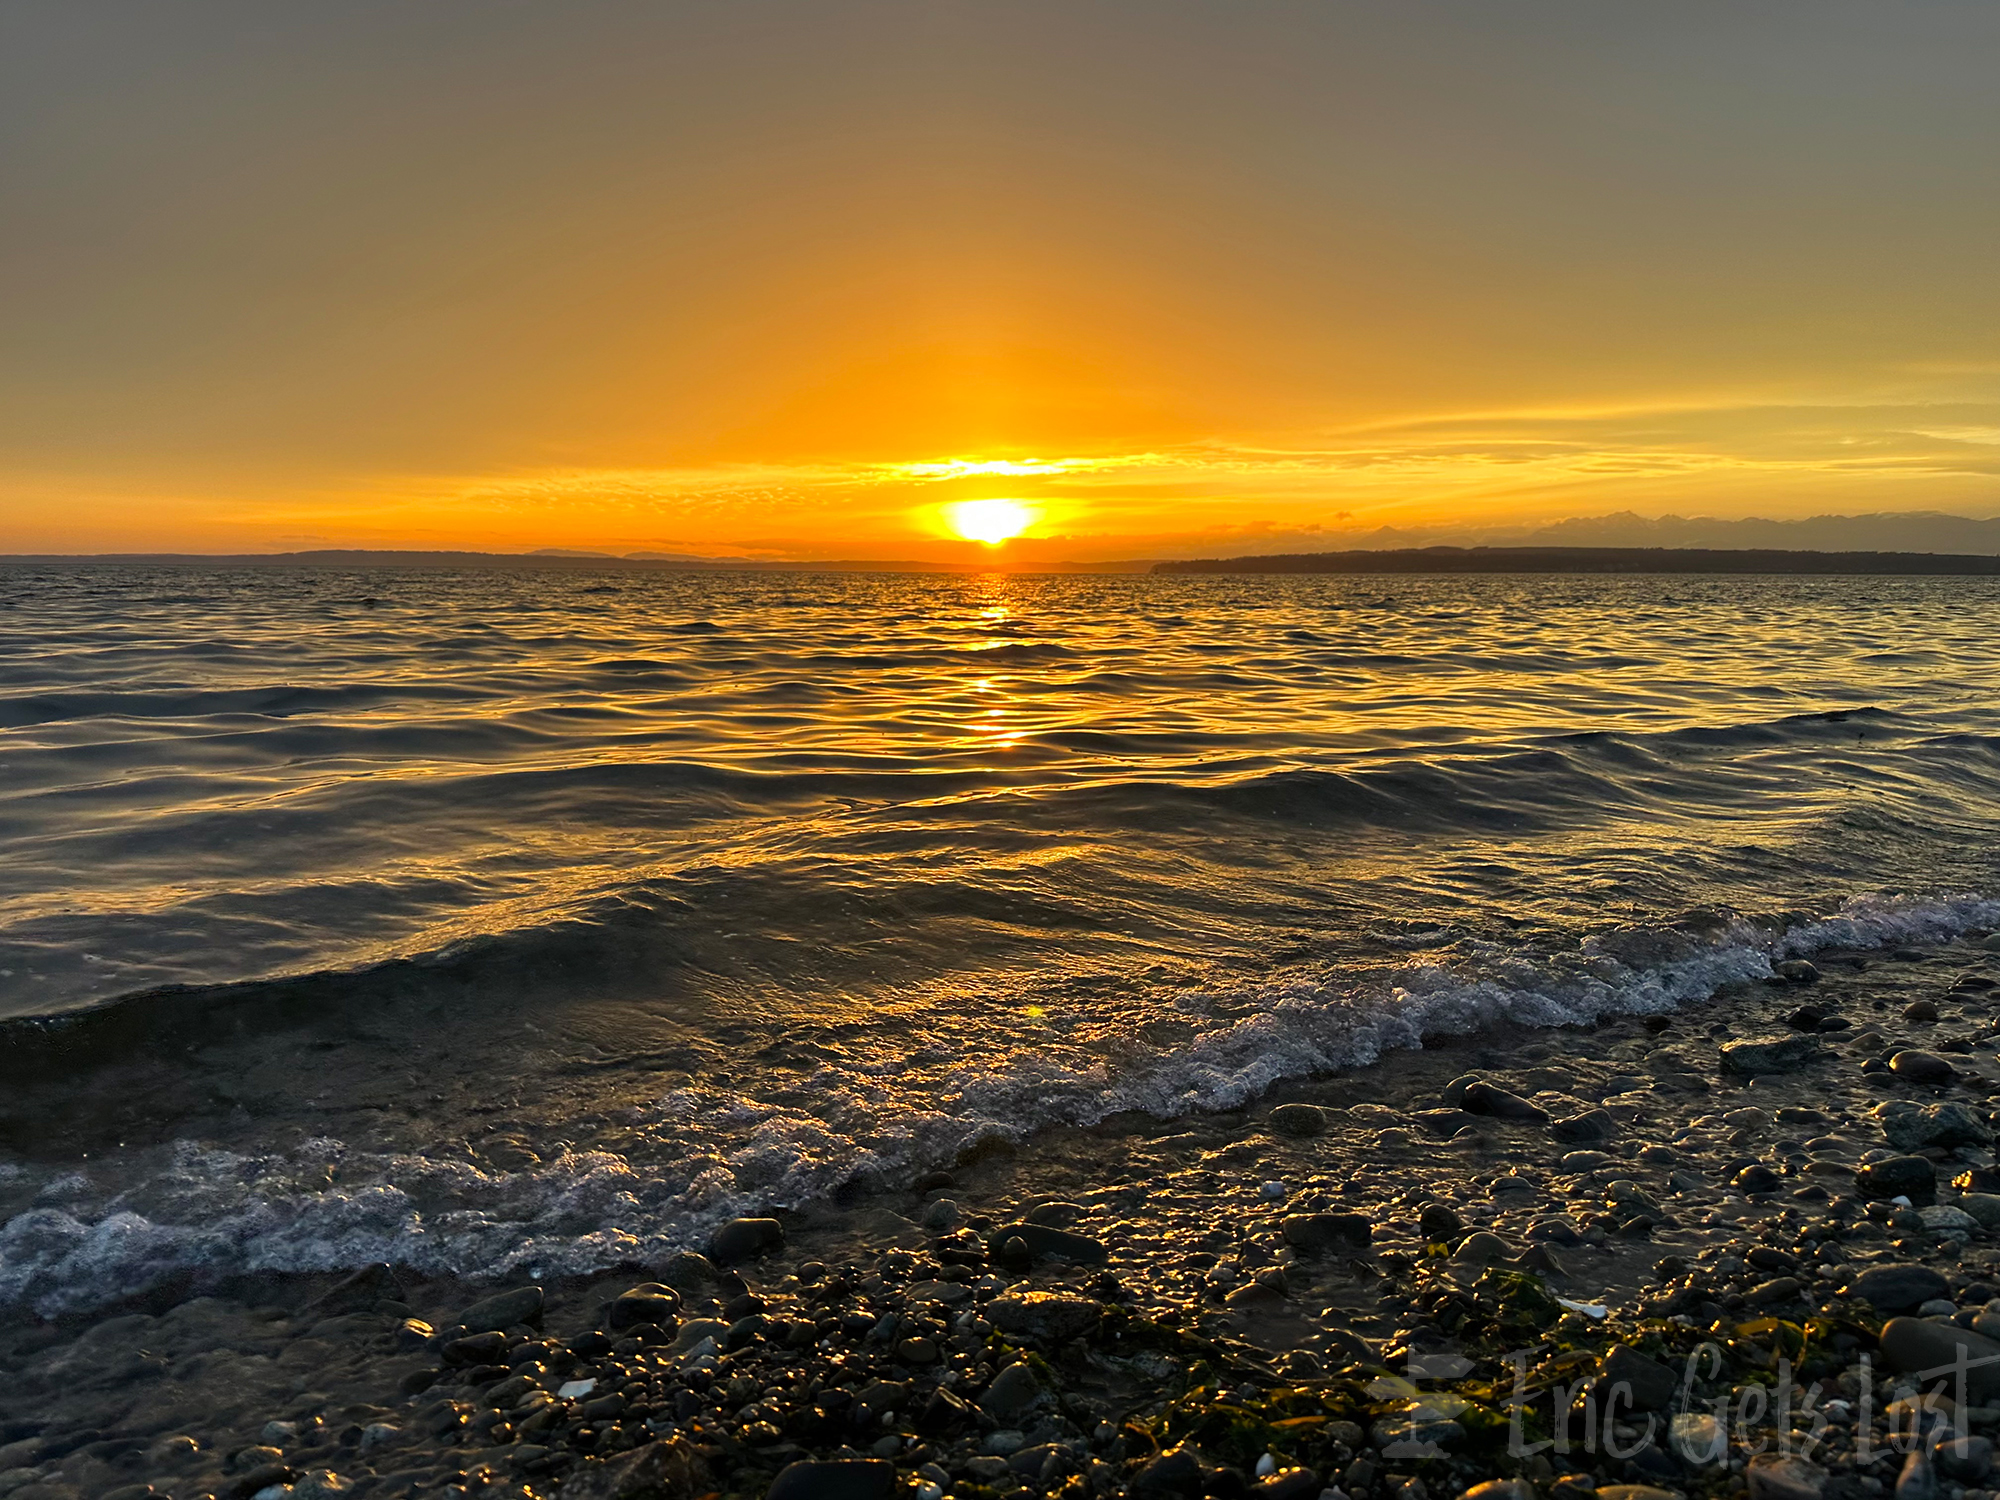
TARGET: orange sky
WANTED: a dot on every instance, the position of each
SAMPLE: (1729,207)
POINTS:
(789,280)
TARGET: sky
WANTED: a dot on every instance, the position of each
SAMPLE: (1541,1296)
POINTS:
(758,278)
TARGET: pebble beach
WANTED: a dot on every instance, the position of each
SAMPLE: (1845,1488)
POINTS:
(1734,1250)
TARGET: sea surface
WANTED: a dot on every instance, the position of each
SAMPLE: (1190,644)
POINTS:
(488,921)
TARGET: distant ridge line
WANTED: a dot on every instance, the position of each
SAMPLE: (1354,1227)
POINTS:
(544,561)
(1597,560)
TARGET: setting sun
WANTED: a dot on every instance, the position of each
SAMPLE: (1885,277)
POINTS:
(989,521)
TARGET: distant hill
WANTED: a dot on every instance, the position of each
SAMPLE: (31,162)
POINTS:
(553,559)
(1594,560)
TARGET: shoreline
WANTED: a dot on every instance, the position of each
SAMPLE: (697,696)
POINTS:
(1228,1245)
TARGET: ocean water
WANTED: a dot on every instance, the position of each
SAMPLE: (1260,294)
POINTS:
(481,922)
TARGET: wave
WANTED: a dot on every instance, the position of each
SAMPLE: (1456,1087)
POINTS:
(919,1101)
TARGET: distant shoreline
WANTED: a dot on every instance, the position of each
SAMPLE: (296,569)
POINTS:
(567,562)
(1597,560)
(1711,560)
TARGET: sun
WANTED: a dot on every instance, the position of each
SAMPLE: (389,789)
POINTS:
(989,521)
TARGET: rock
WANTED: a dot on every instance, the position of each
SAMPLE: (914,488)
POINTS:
(1299,1120)
(686,1271)
(648,1304)
(1917,1346)
(745,1239)
(1490,1099)
(475,1349)
(1583,1161)
(1984,1207)
(1797,970)
(941,1215)
(1045,1242)
(1321,1234)
(321,1484)
(1897,1288)
(263,1477)
(1445,1123)
(1501,1489)
(1773,1476)
(1553,1231)
(1805,1018)
(1437,1222)
(1697,1438)
(695,1330)
(1634,1492)
(1779,1289)
(1013,1391)
(1965,1459)
(1991,942)
(1059,1214)
(1911,1127)
(1541,1260)
(1757,1178)
(1481,1249)
(1051,1316)
(1916,1481)
(1253,1294)
(942,1413)
(1922,1067)
(1898,1176)
(1942,1218)
(1771,1054)
(830,1479)
(1175,1472)
(506,1310)
(1591,1125)
(1652,1384)
(1920,1010)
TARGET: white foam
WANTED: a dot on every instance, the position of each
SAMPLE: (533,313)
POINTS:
(883,1105)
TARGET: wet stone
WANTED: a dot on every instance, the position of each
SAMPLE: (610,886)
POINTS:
(1899,1176)
(1781,1054)
(1773,1476)
(1481,1249)
(1051,1316)
(1896,1288)
(1911,1127)
(1438,1222)
(1298,1120)
(1175,1472)
(1918,1345)
(506,1310)
(1013,1391)
(1922,1067)
(649,1304)
(1652,1384)
(1590,1126)
(1045,1242)
(1321,1234)
(745,1239)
